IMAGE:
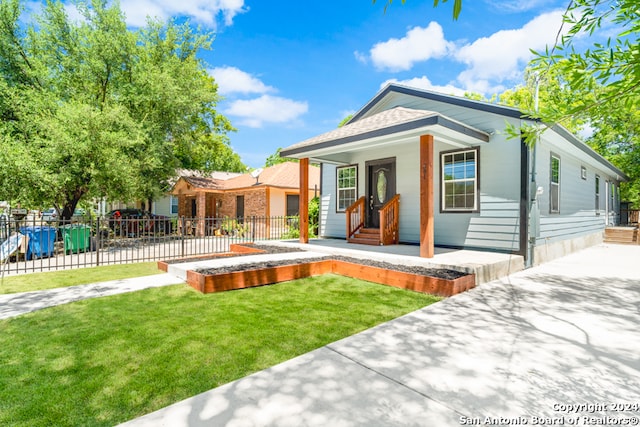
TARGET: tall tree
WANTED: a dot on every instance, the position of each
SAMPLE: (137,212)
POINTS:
(91,109)
(275,159)
(605,74)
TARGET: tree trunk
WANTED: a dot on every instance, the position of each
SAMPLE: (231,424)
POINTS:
(70,206)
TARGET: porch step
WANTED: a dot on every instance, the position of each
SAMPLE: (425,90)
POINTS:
(366,236)
(621,235)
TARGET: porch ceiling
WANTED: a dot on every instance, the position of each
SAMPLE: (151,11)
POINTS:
(394,126)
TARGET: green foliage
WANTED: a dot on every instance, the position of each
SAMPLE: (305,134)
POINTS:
(457,6)
(314,216)
(345,120)
(617,138)
(90,109)
(234,227)
(603,80)
(293,232)
(275,159)
(292,228)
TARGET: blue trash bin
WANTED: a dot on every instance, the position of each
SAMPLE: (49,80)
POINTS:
(41,241)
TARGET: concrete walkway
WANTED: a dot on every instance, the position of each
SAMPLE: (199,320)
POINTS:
(534,345)
(12,305)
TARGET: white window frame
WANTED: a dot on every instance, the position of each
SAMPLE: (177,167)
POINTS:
(475,180)
(552,184)
(340,189)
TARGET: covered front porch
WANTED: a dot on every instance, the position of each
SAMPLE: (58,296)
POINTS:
(198,199)
(392,157)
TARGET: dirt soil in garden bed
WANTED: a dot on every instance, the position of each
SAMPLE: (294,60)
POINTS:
(439,273)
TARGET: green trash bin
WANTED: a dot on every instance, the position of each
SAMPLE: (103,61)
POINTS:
(77,237)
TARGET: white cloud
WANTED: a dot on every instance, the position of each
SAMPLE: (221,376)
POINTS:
(233,80)
(503,55)
(266,109)
(360,57)
(424,83)
(419,44)
(201,11)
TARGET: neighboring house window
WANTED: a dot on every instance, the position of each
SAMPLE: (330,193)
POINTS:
(459,181)
(347,186)
(174,205)
(240,208)
(293,204)
(597,195)
(554,185)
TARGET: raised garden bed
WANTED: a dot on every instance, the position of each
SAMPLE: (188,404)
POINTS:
(235,250)
(435,281)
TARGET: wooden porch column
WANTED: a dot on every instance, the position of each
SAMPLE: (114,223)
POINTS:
(304,200)
(426,196)
(201,210)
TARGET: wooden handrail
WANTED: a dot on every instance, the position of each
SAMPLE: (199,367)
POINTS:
(355,217)
(633,216)
(389,221)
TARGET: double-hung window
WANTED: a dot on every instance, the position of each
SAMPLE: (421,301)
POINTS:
(346,187)
(459,181)
(174,205)
(554,185)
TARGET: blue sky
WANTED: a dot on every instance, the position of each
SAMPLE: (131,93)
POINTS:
(289,70)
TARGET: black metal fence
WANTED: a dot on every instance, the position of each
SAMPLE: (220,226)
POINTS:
(34,245)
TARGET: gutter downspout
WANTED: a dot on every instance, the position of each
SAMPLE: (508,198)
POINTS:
(534,208)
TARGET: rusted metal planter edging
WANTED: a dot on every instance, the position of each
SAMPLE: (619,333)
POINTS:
(208,283)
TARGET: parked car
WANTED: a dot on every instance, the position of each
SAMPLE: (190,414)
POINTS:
(50,215)
(133,222)
(79,214)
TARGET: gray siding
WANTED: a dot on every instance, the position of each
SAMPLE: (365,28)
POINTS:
(332,224)
(497,224)
(578,215)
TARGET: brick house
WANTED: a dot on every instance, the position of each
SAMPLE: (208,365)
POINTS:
(274,192)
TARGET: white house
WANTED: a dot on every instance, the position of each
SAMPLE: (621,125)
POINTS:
(415,166)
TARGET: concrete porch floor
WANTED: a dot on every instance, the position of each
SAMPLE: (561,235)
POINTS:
(487,266)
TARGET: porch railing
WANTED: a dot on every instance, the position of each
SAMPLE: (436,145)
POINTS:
(629,216)
(355,217)
(389,221)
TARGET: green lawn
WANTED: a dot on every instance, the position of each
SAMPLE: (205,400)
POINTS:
(106,360)
(79,276)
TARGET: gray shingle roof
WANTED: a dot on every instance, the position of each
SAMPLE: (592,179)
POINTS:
(382,120)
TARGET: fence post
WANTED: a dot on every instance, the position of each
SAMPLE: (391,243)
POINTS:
(253,231)
(98,235)
(182,230)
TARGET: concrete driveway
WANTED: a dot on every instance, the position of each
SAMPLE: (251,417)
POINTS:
(557,344)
